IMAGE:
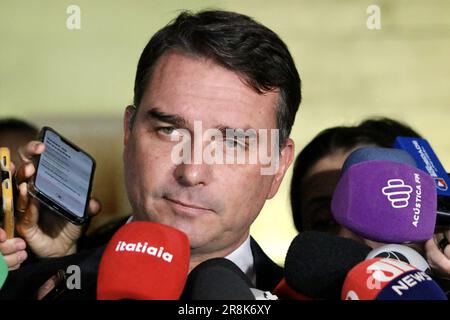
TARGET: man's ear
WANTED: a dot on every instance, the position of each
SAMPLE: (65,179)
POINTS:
(286,158)
(128,122)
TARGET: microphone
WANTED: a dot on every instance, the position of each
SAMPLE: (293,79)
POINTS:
(377,153)
(401,253)
(3,270)
(217,279)
(221,279)
(144,261)
(427,160)
(387,279)
(316,265)
(384,200)
(284,292)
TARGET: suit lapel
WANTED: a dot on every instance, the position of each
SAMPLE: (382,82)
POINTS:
(268,273)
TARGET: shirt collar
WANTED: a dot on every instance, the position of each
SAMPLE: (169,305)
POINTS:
(243,258)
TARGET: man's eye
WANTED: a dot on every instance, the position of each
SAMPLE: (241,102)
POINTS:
(166,130)
(231,143)
(170,132)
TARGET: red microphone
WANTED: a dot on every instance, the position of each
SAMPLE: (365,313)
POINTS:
(144,261)
(387,279)
(369,277)
(284,292)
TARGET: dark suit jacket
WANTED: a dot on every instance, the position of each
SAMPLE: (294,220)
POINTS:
(25,282)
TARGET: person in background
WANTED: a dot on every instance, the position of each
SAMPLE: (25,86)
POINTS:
(15,133)
(317,170)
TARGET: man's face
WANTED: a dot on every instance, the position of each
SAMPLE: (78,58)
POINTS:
(214,204)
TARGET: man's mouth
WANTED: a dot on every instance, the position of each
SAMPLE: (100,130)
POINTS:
(186,207)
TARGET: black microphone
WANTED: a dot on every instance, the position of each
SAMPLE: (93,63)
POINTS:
(217,279)
(317,263)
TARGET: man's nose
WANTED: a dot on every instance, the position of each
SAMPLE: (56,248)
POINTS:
(189,174)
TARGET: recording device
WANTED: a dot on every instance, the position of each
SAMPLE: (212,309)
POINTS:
(7,192)
(54,287)
(316,265)
(410,256)
(401,253)
(387,279)
(284,292)
(64,176)
(3,270)
(61,285)
(144,261)
(427,160)
(217,279)
(221,279)
(377,153)
(385,200)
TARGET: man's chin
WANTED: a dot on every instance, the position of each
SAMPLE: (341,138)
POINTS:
(195,234)
(196,239)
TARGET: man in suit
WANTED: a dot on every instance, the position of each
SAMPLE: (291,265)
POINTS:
(213,73)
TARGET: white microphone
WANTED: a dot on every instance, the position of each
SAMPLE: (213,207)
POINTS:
(400,253)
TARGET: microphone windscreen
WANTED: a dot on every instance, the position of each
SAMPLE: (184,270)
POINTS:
(412,285)
(284,292)
(376,153)
(3,270)
(387,279)
(401,253)
(144,261)
(217,279)
(427,160)
(317,263)
(386,201)
(422,152)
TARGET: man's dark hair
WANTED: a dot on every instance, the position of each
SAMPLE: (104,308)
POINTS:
(380,132)
(237,43)
(16,125)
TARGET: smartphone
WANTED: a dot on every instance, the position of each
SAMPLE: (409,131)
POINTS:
(7,192)
(64,176)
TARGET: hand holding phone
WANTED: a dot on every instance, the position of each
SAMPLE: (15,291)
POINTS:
(46,233)
(63,179)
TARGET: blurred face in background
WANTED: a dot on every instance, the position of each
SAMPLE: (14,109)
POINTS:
(214,204)
(317,192)
(13,140)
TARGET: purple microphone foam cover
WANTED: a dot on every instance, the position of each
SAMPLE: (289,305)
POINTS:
(386,201)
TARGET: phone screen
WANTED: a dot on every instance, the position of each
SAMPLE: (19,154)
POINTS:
(64,174)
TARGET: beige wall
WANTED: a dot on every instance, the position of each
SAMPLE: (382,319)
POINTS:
(79,81)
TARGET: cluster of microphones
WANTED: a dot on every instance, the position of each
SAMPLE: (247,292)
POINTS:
(388,195)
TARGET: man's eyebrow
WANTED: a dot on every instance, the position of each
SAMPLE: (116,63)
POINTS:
(157,114)
(238,132)
(180,122)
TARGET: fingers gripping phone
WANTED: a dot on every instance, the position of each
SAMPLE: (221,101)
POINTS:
(7,193)
(64,176)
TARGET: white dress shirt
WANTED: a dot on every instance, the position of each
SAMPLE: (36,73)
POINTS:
(243,258)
